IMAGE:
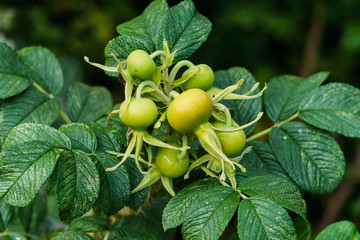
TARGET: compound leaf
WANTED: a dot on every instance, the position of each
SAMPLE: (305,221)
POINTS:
(277,189)
(311,157)
(114,186)
(135,227)
(304,89)
(28,132)
(31,106)
(261,218)
(111,135)
(15,76)
(148,27)
(135,176)
(262,158)
(29,155)
(334,107)
(121,47)
(89,224)
(342,230)
(240,176)
(177,210)
(23,170)
(42,61)
(106,141)
(182,26)
(210,213)
(82,136)
(285,92)
(185,29)
(84,103)
(279,91)
(78,184)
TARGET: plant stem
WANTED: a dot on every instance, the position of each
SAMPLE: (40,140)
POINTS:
(177,67)
(287,120)
(65,117)
(37,86)
(208,172)
(167,84)
(62,113)
(159,93)
(242,195)
(225,110)
(266,131)
(157,53)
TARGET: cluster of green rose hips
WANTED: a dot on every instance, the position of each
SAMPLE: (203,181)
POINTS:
(155,98)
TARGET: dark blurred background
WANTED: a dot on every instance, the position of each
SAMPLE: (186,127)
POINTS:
(268,37)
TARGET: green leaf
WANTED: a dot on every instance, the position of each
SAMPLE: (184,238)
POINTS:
(89,224)
(342,230)
(284,94)
(135,227)
(30,106)
(116,128)
(78,184)
(135,176)
(261,218)
(334,107)
(114,186)
(262,158)
(311,157)
(51,182)
(182,26)
(177,210)
(277,189)
(72,235)
(47,67)
(241,176)
(303,90)
(30,153)
(33,215)
(15,76)
(111,135)
(121,47)
(81,136)
(28,132)
(23,170)
(148,27)
(280,191)
(186,29)
(210,213)
(7,213)
(245,110)
(302,227)
(153,212)
(105,140)
(84,103)
(278,93)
